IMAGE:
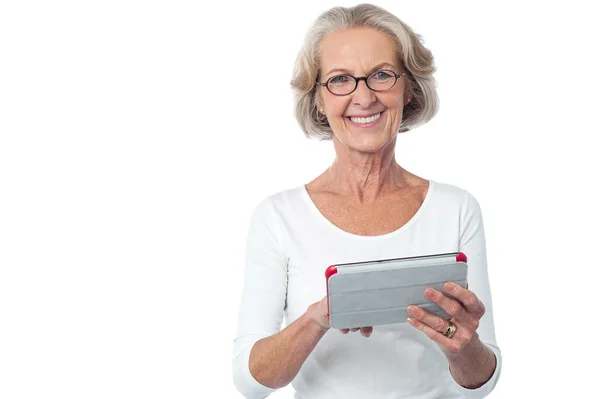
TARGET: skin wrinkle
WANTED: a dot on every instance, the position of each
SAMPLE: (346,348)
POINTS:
(364,185)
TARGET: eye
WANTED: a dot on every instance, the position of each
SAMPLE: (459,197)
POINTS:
(382,76)
(340,80)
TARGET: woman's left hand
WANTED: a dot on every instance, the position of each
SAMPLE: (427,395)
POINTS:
(466,311)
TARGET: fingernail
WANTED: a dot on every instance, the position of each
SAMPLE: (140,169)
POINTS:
(450,286)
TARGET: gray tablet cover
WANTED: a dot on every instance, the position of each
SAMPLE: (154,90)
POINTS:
(377,293)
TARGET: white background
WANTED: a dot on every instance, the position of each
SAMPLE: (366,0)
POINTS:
(137,136)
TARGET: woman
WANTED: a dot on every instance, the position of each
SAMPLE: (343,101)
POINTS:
(362,77)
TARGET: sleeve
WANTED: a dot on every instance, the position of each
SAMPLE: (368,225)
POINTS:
(263,297)
(472,244)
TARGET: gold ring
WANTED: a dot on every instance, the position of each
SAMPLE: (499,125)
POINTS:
(450,330)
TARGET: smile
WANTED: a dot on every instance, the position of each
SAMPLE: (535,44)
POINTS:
(364,121)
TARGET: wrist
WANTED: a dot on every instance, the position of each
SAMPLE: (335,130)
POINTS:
(316,320)
(473,366)
(471,349)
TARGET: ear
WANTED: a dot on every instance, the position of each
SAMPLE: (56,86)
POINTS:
(407,98)
(319,103)
(408,94)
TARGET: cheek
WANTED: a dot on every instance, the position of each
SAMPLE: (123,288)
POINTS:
(394,102)
(337,106)
(395,105)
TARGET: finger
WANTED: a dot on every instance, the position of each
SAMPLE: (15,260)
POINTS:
(450,344)
(437,323)
(469,300)
(453,307)
(354,329)
(344,330)
(366,331)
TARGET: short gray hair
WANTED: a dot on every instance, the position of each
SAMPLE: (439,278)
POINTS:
(414,58)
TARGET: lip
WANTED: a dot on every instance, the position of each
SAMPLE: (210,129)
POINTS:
(366,125)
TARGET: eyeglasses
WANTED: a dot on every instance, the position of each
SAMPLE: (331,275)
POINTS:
(342,85)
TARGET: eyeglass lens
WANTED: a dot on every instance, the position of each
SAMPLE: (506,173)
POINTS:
(378,81)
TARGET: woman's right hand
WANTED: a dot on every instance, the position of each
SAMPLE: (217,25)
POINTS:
(318,312)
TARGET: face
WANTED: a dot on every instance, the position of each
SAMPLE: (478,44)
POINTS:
(360,52)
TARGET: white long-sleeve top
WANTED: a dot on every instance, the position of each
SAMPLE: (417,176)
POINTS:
(290,244)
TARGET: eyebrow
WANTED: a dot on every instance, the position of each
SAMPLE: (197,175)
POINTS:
(375,68)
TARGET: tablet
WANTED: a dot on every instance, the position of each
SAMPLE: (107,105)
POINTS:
(378,292)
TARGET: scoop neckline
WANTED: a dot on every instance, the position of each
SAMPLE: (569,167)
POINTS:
(401,229)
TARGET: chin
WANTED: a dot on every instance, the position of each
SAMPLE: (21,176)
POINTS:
(370,144)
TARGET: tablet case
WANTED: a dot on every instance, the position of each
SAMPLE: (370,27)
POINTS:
(378,292)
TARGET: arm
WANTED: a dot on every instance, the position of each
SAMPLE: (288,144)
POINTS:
(476,368)
(275,360)
(473,366)
(473,355)
(264,357)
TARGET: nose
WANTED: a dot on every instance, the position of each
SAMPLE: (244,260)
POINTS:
(363,96)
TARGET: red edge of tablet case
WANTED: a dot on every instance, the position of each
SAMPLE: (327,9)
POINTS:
(330,271)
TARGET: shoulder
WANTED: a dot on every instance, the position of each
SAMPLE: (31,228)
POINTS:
(280,202)
(273,214)
(453,195)
(455,199)
(459,204)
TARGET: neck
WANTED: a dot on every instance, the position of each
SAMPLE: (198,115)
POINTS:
(366,176)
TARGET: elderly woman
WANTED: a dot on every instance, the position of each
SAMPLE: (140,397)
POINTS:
(361,77)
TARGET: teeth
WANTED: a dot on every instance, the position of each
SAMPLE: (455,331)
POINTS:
(365,120)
